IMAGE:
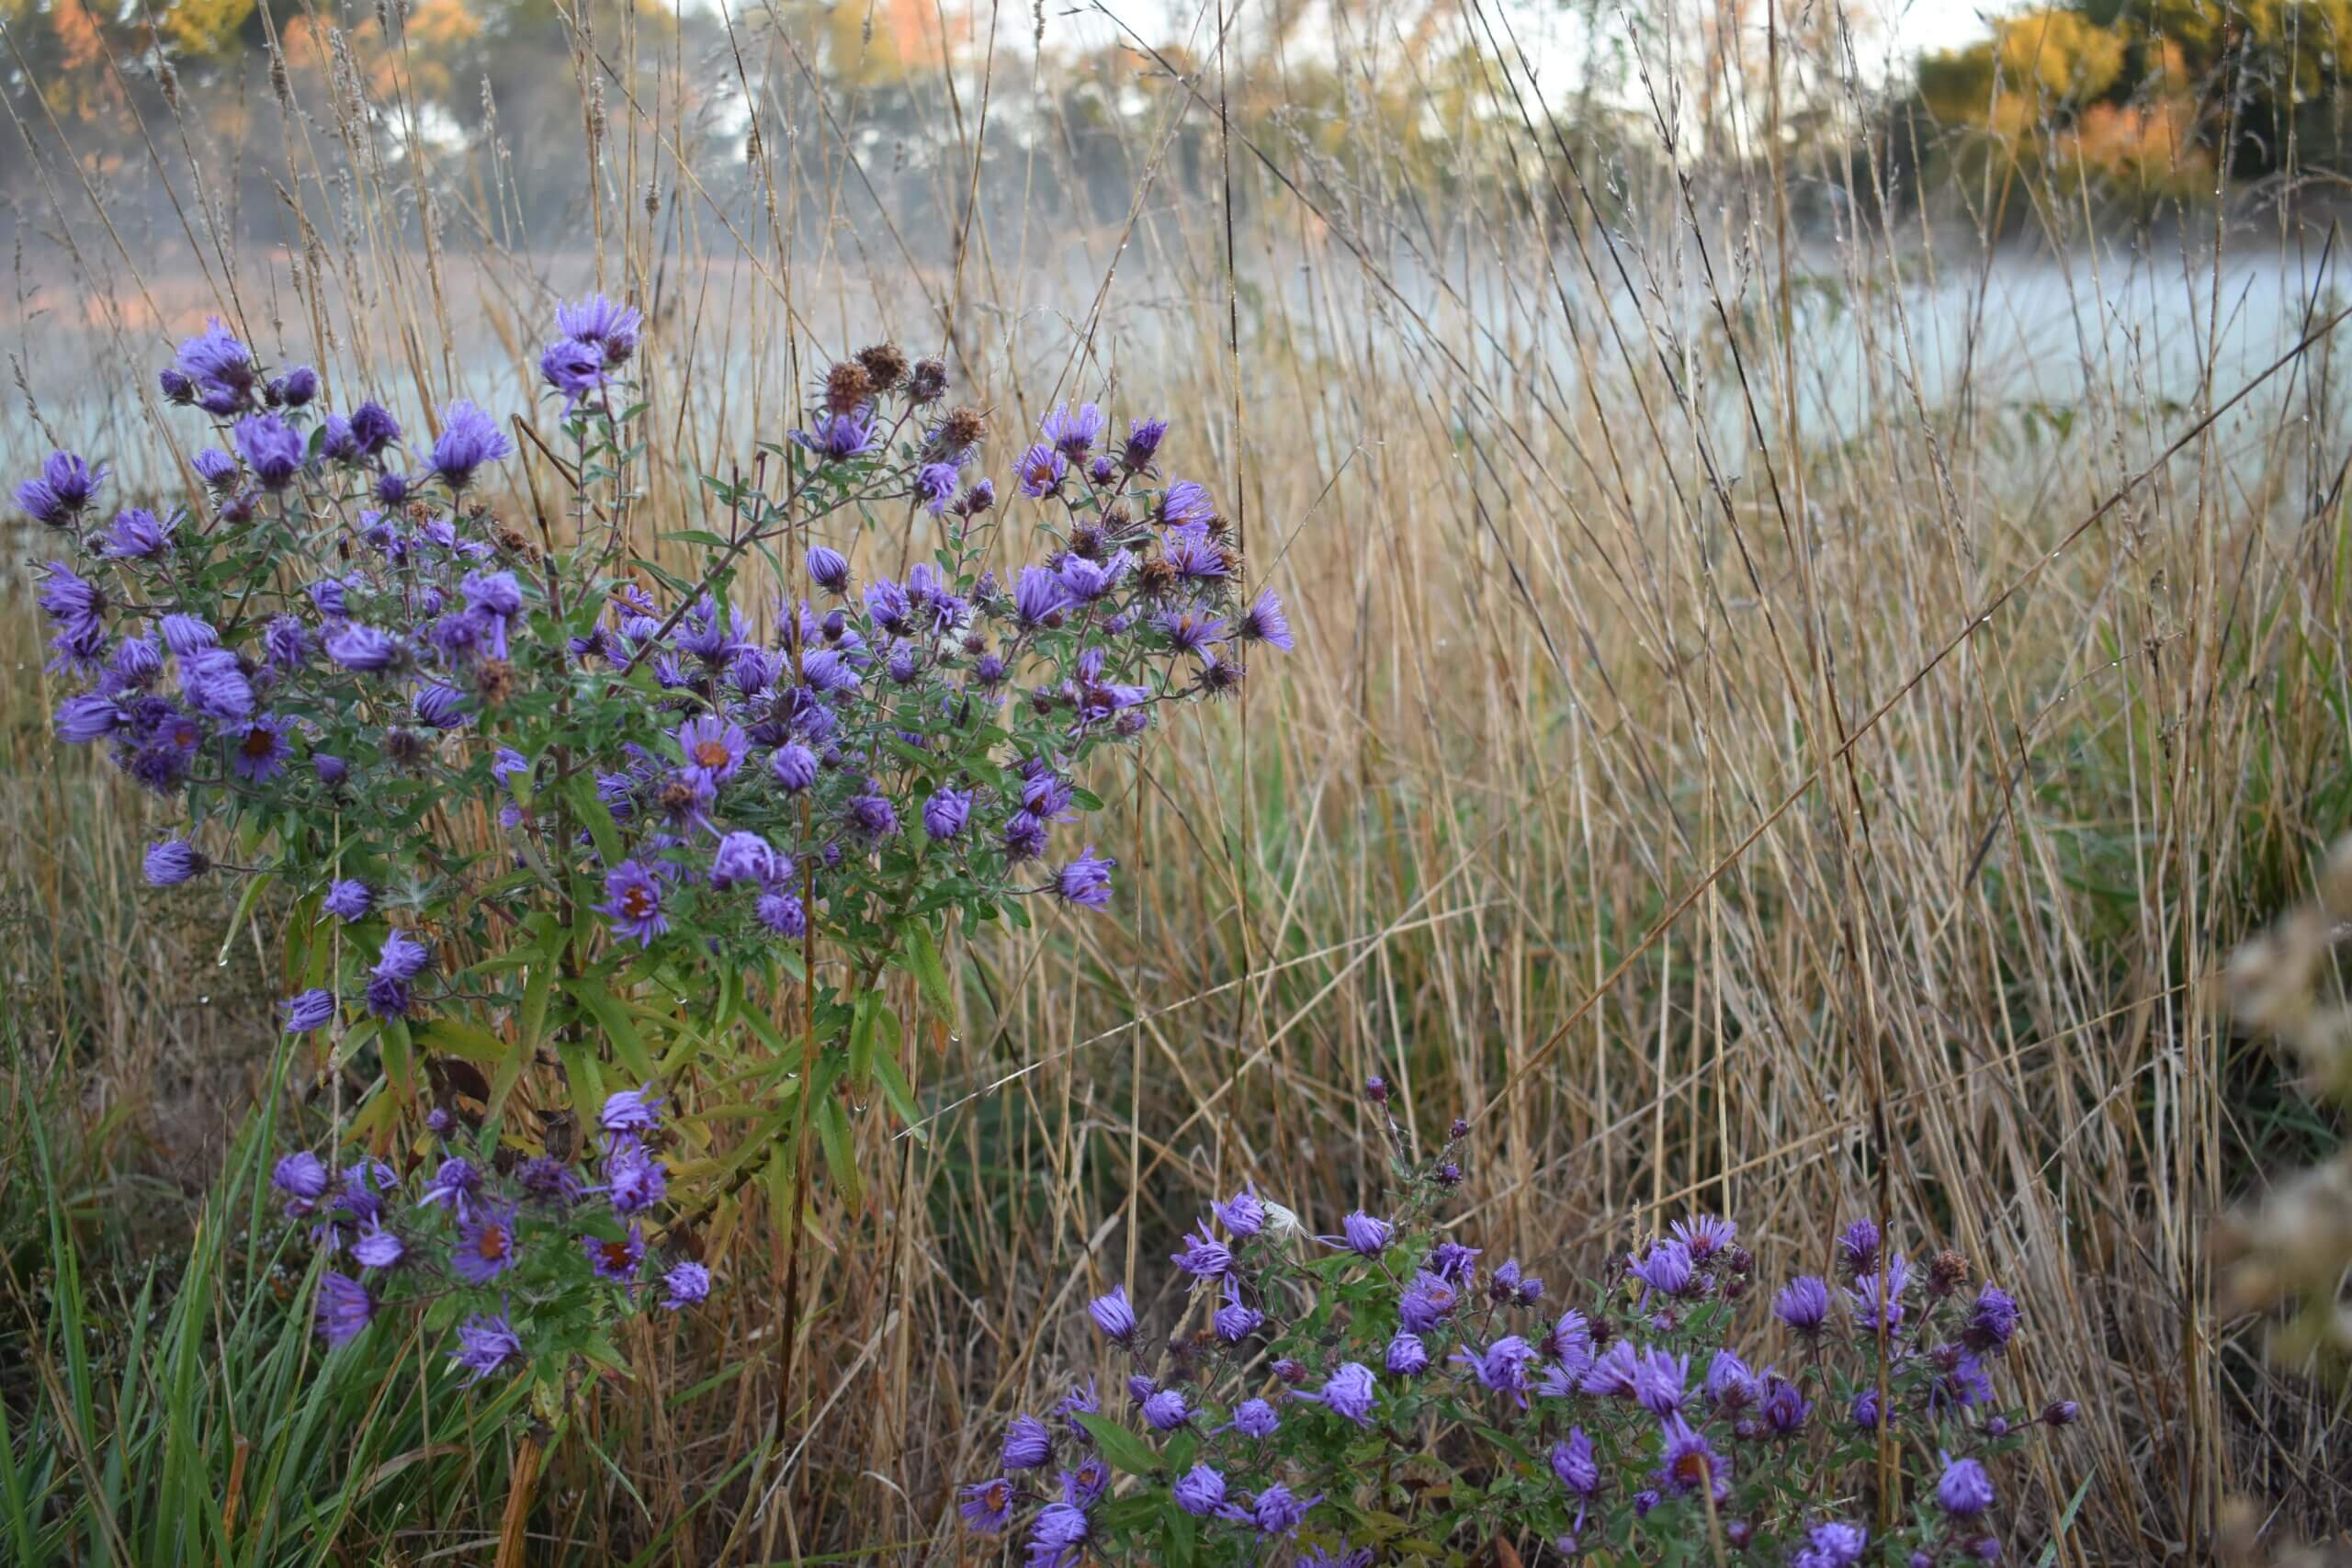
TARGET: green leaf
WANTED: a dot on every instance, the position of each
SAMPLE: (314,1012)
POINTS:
(833,1132)
(1122,1448)
(919,956)
(455,1037)
(618,1027)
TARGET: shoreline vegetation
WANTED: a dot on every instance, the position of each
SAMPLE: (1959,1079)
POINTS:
(1820,629)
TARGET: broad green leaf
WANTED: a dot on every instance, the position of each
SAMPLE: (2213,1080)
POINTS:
(1122,1448)
(919,956)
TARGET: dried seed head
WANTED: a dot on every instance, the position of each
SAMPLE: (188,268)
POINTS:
(653,200)
(169,81)
(1947,1272)
(885,363)
(752,143)
(1156,576)
(1086,540)
(494,682)
(962,428)
(929,383)
(406,748)
(847,386)
(1115,519)
(279,82)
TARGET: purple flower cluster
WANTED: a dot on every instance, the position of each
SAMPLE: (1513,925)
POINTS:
(463,1226)
(1643,1416)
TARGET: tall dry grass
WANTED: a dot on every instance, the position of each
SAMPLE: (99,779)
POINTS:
(1752,745)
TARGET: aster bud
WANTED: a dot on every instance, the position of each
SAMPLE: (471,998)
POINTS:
(928,384)
(2063,1413)
(1375,1089)
(1459,1131)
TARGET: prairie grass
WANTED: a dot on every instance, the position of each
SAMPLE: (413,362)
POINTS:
(1787,716)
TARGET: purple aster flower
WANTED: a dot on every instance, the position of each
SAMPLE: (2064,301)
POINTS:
(1992,1321)
(393,488)
(1688,1461)
(1024,838)
(1573,1462)
(303,1180)
(713,748)
(343,1309)
(271,448)
(630,1112)
(871,815)
(1730,1384)
(63,491)
(139,535)
(349,899)
(1612,1376)
(215,355)
(1425,1303)
(1028,1443)
(260,753)
(1408,1357)
(1502,1367)
(986,1506)
(1073,431)
(1665,1269)
(1832,1545)
(1144,436)
(574,369)
(486,1246)
(1864,1411)
(944,814)
(1452,1260)
(1784,1408)
(794,767)
(610,328)
(402,957)
(548,1180)
(214,683)
(634,1180)
(1255,1418)
(307,1010)
(934,483)
(837,438)
(1659,1379)
(374,428)
(616,1260)
(1880,1295)
(782,913)
(485,1344)
(1194,556)
(828,569)
(1362,1233)
(1040,470)
(377,1248)
(84,720)
(633,903)
(1264,621)
(137,661)
(170,862)
(285,643)
(1858,1246)
(1039,598)
(1186,504)
(1277,1510)
(1966,1490)
(1202,1257)
(1057,1536)
(1114,1315)
(1803,1305)
(363,649)
(1200,1492)
(1164,1410)
(826,671)
(1570,1337)
(1236,1320)
(468,438)
(338,441)
(1705,1235)
(684,1285)
(744,857)
(215,468)
(1085,881)
(1189,630)
(68,596)
(1085,581)
(1243,1215)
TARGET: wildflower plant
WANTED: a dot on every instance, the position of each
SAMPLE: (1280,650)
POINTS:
(663,819)
(1392,1394)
